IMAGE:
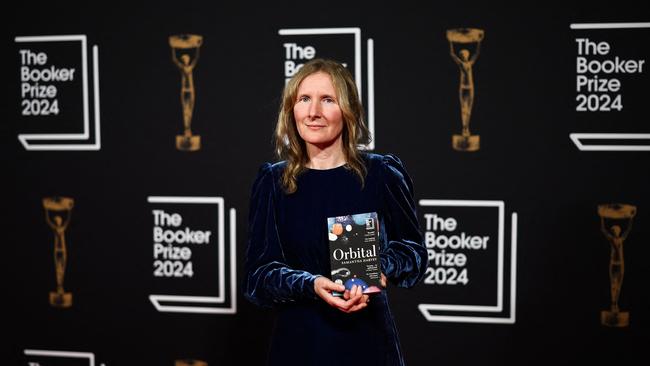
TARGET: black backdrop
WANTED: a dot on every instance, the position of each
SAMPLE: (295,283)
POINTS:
(524,112)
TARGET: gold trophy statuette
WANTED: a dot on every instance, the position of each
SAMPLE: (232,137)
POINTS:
(185,54)
(461,42)
(57,216)
(190,362)
(616,214)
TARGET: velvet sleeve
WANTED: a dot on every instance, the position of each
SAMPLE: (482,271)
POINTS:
(404,259)
(268,280)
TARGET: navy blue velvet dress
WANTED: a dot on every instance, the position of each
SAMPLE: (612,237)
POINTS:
(288,249)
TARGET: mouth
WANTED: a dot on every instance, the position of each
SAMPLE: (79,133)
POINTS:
(315,127)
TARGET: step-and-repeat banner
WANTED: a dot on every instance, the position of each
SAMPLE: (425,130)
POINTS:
(132,137)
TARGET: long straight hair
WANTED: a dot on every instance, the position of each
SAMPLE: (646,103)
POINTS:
(291,147)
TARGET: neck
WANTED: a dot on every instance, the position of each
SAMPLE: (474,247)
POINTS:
(325,156)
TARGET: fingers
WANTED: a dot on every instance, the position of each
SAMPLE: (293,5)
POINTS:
(338,303)
(346,295)
(352,307)
(325,284)
(350,294)
(336,287)
(332,300)
(323,287)
(356,293)
(382,280)
(357,307)
(355,300)
(352,300)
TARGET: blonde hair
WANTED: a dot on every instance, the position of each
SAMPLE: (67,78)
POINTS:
(291,147)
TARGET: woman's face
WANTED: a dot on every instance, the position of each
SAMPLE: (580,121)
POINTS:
(316,110)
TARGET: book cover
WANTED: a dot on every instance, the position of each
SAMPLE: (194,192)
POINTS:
(354,251)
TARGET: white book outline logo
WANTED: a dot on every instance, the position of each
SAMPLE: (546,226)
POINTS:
(581,139)
(427,309)
(30,141)
(205,304)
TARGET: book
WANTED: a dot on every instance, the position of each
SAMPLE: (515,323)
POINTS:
(354,251)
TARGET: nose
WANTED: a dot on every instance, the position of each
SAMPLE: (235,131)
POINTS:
(314,109)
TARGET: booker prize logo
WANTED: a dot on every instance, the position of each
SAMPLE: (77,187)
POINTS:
(57,215)
(185,55)
(55,96)
(42,357)
(615,224)
(611,82)
(340,44)
(471,276)
(190,256)
(464,47)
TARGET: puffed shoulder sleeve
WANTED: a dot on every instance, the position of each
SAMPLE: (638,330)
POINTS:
(268,280)
(404,260)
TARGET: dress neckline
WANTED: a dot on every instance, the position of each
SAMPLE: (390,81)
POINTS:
(326,170)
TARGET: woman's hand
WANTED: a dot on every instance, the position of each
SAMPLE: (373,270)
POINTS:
(356,296)
(353,300)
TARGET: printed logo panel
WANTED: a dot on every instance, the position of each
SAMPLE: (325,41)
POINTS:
(610,82)
(192,255)
(59,93)
(471,275)
(39,357)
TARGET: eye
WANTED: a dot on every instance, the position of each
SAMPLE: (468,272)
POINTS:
(303,99)
(329,100)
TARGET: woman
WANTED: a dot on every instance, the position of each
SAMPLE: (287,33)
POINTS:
(323,174)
